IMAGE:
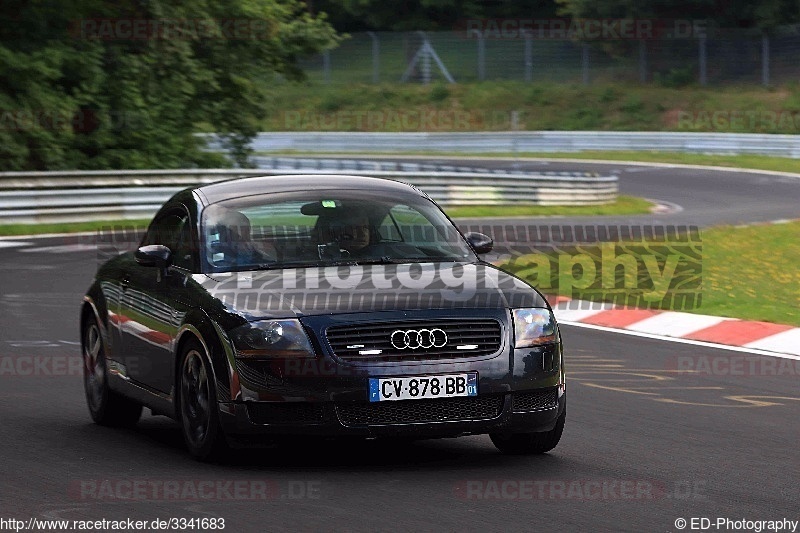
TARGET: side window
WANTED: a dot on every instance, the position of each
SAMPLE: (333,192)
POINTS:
(173,231)
(182,253)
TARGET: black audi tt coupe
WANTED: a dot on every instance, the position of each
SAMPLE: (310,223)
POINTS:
(319,305)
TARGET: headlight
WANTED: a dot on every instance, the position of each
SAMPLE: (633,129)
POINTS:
(533,327)
(272,338)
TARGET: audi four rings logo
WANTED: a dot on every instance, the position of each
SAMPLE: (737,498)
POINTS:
(414,339)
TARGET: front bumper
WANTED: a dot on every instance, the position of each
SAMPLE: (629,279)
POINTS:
(253,419)
(520,390)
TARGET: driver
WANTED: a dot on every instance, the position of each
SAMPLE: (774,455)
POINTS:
(355,234)
(349,232)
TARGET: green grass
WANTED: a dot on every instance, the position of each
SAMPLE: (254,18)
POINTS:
(752,273)
(70,227)
(487,106)
(741,272)
(759,162)
(625,205)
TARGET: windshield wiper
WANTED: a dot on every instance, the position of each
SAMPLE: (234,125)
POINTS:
(301,264)
(403,260)
(355,261)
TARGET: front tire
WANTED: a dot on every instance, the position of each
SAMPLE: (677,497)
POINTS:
(107,407)
(197,405)
(530,443)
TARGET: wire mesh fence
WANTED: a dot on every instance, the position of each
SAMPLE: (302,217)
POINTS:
(718,57)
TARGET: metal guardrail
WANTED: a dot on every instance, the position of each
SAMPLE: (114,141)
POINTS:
(523,141)
(72,196)
(321,163)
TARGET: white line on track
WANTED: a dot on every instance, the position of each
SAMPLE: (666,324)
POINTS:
(62,248)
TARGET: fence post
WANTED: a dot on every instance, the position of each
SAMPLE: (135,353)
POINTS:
(481,56)
(326,65)
(642,61)
(426,59)
(765,60)
(528,56)
(585,63)
(376,57)
(703,57)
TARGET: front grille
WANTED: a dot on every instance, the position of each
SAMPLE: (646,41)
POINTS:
(411,411)
(474,337)
(285,413)
(537,400)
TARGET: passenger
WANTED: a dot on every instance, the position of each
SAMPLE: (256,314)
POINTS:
(230,242)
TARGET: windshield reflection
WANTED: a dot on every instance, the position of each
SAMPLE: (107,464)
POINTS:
(326,228)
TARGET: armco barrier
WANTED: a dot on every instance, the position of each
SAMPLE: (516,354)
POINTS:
(74,196)
(523,141)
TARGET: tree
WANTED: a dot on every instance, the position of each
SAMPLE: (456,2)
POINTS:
(429,15)
(127,84)
(765,14)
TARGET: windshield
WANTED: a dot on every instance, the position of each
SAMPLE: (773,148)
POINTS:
(327,228)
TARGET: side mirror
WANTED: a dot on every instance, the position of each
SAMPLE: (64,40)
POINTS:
(482,244)
(156,255)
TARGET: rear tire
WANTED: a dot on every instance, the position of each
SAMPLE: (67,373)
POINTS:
(108,408)
(197,405)
(530,443)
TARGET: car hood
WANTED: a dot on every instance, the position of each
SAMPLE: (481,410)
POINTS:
(295,292)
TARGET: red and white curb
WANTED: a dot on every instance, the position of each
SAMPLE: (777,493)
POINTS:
(741,335)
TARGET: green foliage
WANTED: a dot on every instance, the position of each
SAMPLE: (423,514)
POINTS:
(608,95)
(439,92)
(632,105)
(77,91)
(412,15)
(764,15)
(585,117)
(675,77)
(445,15)
(539,106)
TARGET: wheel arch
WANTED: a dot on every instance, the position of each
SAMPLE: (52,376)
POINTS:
(199,327)
(89,310)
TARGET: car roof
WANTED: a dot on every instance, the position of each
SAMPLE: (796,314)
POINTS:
(239,187)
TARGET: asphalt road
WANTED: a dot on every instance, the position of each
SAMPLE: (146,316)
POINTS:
(705,197)
(645,443)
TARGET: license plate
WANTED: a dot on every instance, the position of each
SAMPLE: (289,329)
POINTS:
(423,387)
